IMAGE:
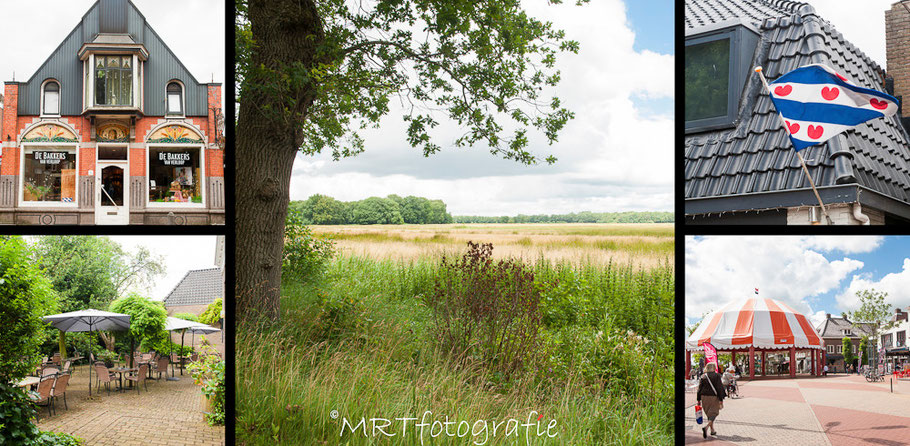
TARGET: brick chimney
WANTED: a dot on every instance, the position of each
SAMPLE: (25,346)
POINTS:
(897,50)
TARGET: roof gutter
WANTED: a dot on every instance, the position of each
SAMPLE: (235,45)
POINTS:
(847,193)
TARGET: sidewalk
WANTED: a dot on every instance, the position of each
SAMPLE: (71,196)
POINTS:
(170,412)
(833,410)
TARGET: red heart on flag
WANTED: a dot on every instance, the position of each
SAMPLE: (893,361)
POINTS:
(793,127)
(815,132)
(830,93)
(783,91)
(881,105)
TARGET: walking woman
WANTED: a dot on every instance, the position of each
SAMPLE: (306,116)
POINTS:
(710,396)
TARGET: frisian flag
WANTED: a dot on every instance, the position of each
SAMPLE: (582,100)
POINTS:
(817,103)
(710,354)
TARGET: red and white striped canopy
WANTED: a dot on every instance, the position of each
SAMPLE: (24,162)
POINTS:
(759,323)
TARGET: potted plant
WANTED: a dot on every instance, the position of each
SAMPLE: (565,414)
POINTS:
(208,372)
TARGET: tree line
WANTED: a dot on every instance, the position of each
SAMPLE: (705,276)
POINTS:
(395,210)
(391,210)
(579,217)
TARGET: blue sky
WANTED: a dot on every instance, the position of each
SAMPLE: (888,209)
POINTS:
(816,275)
(652,21)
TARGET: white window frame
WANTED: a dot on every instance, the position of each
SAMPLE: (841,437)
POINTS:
(167,100)
(204,179)
(59,97)
(74,147)
(134,96)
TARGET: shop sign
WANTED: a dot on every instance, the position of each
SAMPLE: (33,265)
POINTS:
(45,157)
(174,158)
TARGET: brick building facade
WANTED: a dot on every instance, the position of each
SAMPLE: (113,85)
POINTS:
(112,129)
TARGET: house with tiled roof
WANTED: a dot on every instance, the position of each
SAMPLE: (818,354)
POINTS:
(740,167)
(833,331)
(197,289)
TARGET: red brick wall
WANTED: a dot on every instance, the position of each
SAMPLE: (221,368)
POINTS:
(10,111)
(214,162)
(86,160)
(214,101)
(137,162)
(897,50)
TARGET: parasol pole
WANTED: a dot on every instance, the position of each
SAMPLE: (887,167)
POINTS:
(798,155)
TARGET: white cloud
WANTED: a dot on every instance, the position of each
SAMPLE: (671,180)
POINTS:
(863,26)
(612,156)
(181,254)
(845,244)
(724,269)
(896,284)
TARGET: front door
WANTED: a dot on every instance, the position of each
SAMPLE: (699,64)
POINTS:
(112,195)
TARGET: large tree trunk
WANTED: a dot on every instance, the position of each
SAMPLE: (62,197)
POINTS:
(285,32)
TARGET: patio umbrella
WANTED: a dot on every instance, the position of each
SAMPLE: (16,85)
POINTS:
(175,324)
(89,321)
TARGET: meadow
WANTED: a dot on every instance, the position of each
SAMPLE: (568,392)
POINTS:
(569,323)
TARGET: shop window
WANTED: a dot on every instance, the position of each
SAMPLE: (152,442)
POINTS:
(174,99)
(49,175)
(51,98)
(113,80)
(175,175)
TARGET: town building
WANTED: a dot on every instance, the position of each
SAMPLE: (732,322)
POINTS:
(112,129)
(893,342)
(833,331)
(740,165)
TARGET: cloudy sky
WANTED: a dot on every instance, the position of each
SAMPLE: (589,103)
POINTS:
(815,275)
(192,29)
(181,254)
(863,26)
(616,155)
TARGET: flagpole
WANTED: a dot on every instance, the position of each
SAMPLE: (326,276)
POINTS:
(798,155)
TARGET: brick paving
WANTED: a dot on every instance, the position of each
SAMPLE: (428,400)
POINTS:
(834,410)
(170,412)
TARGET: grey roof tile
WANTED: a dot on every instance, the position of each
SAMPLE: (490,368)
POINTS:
(198,287)
(757,155)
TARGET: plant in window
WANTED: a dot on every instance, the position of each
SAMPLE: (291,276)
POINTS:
(36,191)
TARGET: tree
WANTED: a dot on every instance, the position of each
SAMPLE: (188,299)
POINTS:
(872,310)
(90,272)
(847,346)
(312,74)
(147,320)
(864,350)
(212,313)
(25,297)
(323,210)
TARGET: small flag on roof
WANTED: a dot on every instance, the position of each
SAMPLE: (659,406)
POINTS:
(817,103)
(756,291)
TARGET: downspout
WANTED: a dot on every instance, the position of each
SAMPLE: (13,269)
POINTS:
(859,215)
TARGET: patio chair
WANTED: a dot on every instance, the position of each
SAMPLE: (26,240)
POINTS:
(56,359)
(104,376)
(174,362)
(161,366)
(60,389)
(66,367)
(139,377)
(45,390)
(47,371)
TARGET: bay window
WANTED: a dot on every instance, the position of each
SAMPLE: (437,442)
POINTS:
(113,80)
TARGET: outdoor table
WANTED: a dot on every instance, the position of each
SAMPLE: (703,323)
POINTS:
(121,371)
(28,381)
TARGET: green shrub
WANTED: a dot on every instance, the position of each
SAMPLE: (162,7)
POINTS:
(58,439)
(188,316)
(147,319)
(25,296)
(16,413)
(304,254)
(212,313)
(487,311)
(209,373)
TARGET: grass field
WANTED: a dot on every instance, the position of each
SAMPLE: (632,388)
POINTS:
(645,245)
(362,340)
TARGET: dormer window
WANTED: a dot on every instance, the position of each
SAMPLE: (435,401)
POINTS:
(51,98)
(113,80)
(718,59)
(174,98)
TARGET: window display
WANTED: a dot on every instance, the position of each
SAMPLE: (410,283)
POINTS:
(49,175)
(174,176)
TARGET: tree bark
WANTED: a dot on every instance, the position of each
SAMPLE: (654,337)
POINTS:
(285,32)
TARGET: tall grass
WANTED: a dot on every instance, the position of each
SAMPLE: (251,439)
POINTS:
(357,341)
